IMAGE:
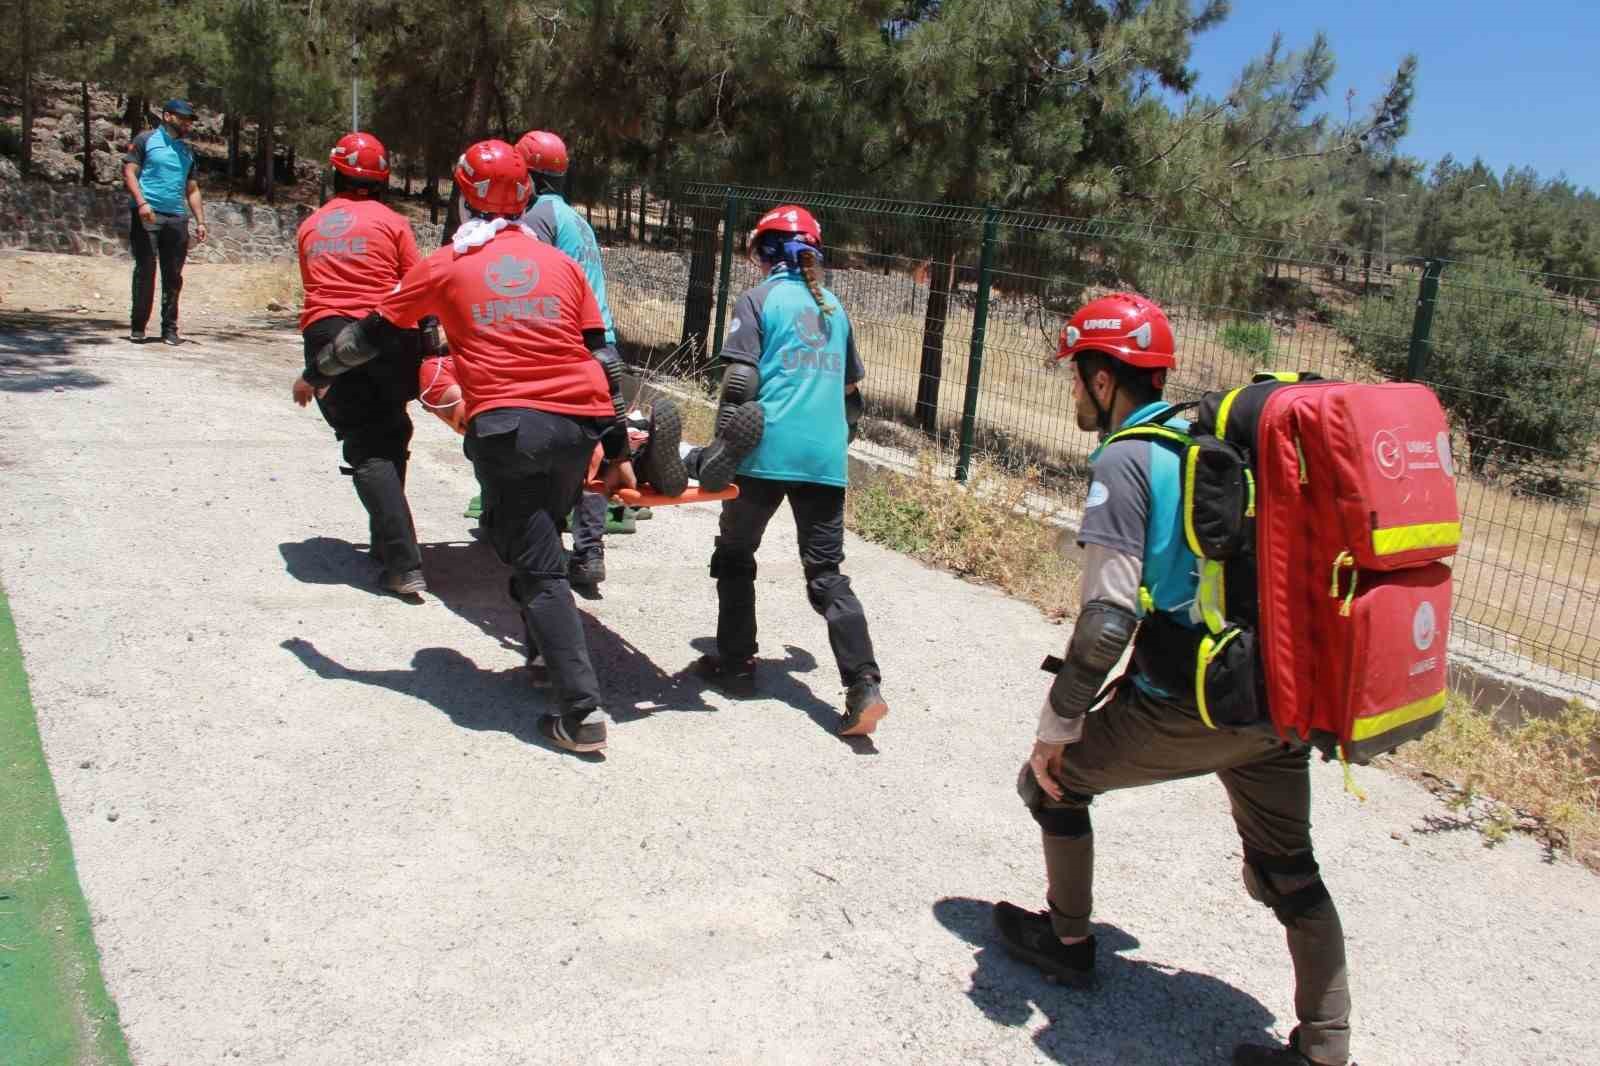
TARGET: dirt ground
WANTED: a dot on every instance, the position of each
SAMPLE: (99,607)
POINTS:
(338,838)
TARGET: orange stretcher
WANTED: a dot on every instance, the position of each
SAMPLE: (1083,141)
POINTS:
(646,496)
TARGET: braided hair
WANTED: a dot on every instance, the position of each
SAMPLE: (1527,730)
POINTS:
(800,256)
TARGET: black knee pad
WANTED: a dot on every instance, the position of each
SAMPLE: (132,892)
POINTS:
(1290,885)
(824,583)
(726,563)
(1056,821)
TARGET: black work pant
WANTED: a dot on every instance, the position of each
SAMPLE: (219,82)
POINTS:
(531,467)
(165,242)
(367,409)
(589,525)
(819,524)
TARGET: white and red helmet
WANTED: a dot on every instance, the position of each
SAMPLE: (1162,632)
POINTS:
(789,219)
(493,178)
(543,152)
(360,156)
(1123,326)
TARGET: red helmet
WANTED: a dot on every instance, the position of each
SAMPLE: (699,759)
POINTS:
(362,156)
(1124,326)
(493,178)
(789,218)
(544,152)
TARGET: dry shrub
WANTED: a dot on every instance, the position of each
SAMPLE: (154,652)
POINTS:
(1541,776)
(989,529)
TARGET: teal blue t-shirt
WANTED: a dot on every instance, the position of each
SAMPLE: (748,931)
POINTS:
(165,163)
(1135,506)
(554,221)
(805,358)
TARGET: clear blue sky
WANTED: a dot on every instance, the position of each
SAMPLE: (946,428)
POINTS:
(1515,83)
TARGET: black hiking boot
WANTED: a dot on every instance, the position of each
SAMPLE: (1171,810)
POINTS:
(136,334)
(863,708)
(736,676)
(409,583)
(661,467)
(170,336)
(1275,1054)
(587,571)
(580,731)
(1029,937)
(715,465)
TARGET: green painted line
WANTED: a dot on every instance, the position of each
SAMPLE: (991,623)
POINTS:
(54,1009)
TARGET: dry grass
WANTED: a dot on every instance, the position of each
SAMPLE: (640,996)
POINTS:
(987,530)
(1541,776)
(259,284)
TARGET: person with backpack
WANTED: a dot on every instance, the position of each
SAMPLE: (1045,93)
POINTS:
(790,400)
(1140,588)
(539,388)
(353,252)
(554,221)
(158,171)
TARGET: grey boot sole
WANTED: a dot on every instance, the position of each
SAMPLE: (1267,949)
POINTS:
(662,466)
(737,439)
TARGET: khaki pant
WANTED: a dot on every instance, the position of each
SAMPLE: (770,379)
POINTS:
(1137,739)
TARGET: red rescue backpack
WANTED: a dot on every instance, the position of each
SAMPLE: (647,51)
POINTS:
(1320,511)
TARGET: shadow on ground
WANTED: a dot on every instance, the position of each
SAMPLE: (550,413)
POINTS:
(44,352)
(1141,1013)
(466,578)
(775,679)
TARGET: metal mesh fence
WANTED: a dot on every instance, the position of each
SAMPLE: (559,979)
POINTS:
(956,312)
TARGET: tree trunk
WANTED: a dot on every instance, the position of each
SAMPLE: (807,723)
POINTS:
(133,114)
(928,381)
(231,127)
(27,91)
(701,294)
(88,148)
(269,152)
(430,190)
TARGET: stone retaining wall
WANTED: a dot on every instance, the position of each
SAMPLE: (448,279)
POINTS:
(94,221)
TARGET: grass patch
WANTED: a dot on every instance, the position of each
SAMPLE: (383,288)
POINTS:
(53,1002)
(989,529)
(1540,776)
(1250,338)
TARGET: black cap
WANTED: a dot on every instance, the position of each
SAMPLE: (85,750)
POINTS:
(178,107)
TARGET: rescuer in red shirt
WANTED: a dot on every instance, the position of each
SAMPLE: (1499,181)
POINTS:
(353,251)
(539,386)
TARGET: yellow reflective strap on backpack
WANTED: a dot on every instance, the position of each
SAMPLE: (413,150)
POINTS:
(1395,717)
(1288,377)
(1202,659)
(1397,539)
(1210,647)
(1250,493)
(1211,595)
(1222,412)
(1147,602)
(1191,462)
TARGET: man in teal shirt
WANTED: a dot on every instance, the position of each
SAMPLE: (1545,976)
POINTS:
(554,221)
(158,170)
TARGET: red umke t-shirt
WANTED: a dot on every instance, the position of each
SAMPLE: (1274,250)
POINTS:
(353,252)
(515,310)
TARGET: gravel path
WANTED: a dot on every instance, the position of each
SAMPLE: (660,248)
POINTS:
(337,839)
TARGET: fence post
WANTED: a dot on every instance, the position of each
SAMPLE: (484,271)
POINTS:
(1422,324)
(980,322)
(730,212)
